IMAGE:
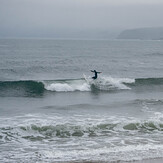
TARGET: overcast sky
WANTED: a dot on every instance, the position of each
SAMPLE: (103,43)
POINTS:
(31,17)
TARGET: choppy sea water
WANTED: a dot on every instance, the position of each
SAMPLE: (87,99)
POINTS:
(50,113)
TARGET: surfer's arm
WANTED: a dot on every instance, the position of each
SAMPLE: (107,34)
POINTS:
(99,72)
(91,70)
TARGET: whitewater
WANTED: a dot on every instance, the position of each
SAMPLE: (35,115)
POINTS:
(51,112)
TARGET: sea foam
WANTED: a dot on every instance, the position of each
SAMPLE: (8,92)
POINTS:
(109,83)
(67,87)
(87,84)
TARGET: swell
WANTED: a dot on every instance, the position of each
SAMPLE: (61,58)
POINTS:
(21,88)
(149,81)
(37,88)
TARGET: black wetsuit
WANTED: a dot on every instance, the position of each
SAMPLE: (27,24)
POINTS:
(95,77)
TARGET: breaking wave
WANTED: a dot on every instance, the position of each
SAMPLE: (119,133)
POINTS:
(38,132)
(37,88)
(122,136)
(109,83)
(67,86)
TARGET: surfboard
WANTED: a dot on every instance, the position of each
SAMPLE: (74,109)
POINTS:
(86,78)
(89,80)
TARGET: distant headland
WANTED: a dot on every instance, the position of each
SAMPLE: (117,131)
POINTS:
(142,34)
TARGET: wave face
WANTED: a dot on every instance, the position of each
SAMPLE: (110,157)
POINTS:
(37,88)
(149,81)
(21,88)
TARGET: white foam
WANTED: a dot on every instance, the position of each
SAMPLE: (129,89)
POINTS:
(117,144)
(102,83)
(65,87)
(123,153)
(109,83)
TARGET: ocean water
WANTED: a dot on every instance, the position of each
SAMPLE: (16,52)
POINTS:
(51,112)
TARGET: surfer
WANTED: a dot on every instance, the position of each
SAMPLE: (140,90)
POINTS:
(95,77)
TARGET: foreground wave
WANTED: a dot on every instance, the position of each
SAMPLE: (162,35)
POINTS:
(36,132)
(35,88)
(112,138)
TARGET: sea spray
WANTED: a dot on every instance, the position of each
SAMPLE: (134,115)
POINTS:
(108,83)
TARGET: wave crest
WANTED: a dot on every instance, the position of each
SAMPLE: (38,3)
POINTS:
(37,132)
(109,83)
(37,88)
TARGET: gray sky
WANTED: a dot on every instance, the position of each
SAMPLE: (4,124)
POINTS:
(49,17)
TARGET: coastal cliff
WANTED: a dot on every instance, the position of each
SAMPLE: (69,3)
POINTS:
(142,34)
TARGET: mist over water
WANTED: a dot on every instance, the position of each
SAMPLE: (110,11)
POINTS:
(51,112)
(79,19)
